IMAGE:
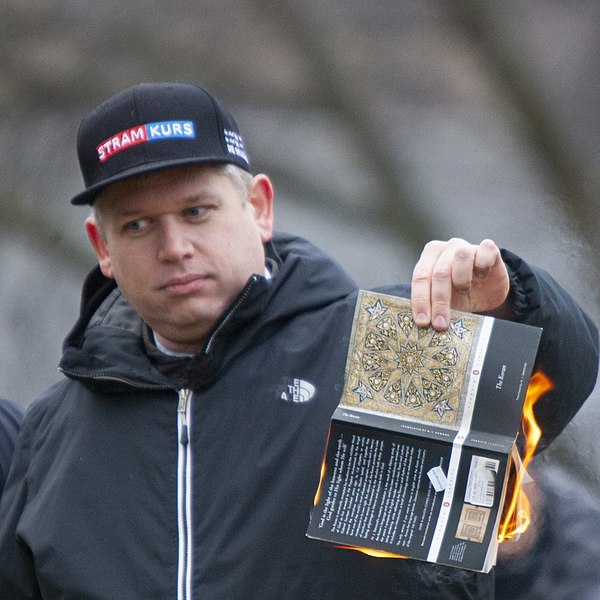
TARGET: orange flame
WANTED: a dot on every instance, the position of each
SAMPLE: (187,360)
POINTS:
(323,471)
(371,552)
(518,511)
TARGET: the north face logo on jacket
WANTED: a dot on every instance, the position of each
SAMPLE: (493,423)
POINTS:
(297,391)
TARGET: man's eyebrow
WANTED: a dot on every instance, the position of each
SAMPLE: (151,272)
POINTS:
(201,197)
(190,200)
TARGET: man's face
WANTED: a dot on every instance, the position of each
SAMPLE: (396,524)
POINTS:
(181,245)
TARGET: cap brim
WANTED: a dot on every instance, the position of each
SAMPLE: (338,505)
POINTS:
(89,194)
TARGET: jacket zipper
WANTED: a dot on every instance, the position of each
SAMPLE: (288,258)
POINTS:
(81,375)
(250,285)
(184,500)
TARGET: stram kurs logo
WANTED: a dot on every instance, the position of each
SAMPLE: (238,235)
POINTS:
(150,132)
(297,391)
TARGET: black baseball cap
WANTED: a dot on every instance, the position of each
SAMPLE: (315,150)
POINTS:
(154,126)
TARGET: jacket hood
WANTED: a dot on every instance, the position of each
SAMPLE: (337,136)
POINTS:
(106,341)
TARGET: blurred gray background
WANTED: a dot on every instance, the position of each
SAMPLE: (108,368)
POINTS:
(383,123)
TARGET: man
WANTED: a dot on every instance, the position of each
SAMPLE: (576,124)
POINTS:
(170,463)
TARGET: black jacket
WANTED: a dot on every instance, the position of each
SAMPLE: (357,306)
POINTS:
(10,421)
(124,486)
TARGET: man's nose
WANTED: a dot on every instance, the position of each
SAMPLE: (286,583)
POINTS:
(174,242)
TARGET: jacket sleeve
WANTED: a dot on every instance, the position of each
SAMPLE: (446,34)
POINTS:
(568,351)
(17,575)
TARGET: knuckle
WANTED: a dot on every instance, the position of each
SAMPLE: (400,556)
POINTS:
(441,273)
(439,307)
(420,275)
(463,252)
(433,244)
(454,240)
(418,303)
(462,287)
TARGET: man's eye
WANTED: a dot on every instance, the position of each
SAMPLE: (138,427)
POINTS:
(135,226)
(196,211)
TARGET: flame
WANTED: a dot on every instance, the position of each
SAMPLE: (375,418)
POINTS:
(322,476)
(371,552)
(323,471)
(518,510)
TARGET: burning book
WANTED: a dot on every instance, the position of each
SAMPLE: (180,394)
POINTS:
(419,450)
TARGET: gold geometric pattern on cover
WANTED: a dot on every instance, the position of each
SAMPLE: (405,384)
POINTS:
(397,368)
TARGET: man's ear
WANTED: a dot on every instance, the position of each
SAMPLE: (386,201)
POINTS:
(99,244)
(260,197)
